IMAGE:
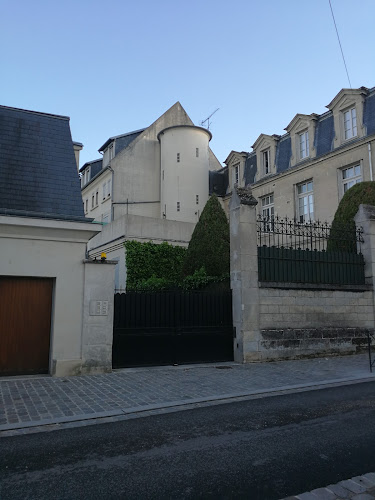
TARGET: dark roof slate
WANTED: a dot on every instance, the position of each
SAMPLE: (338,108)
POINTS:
(283,154)
(134,133)
(124,141)
(37,166)
(96,167)
(324,135)
(369,114)
(218,181)
(250,169)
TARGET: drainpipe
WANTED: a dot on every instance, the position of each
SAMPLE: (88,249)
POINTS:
(370,160)
(112,203)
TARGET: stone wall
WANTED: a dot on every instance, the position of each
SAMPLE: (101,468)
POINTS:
(290,343)
(288,320)
(314,308)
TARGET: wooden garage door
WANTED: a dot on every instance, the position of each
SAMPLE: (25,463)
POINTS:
(25,324)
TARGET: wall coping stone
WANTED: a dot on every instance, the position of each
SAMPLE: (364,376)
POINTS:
(98,261)
(315,286)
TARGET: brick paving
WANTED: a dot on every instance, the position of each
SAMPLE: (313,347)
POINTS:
(356,488)
(36,401)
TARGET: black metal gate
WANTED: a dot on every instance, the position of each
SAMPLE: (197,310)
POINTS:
(172,328)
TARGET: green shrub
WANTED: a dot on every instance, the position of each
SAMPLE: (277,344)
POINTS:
(209,244)
(343,225)
(151,266)
(154,284)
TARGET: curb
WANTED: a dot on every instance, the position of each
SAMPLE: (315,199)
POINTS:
(181,405)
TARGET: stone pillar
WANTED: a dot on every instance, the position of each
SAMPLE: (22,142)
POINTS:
(244,275)
(97,328)
(365,218)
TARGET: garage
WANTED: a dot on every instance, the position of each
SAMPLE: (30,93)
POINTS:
(25,325)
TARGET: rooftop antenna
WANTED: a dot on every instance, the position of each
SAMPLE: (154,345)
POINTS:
(208,119)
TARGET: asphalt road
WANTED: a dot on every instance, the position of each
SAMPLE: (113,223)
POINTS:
(257,449)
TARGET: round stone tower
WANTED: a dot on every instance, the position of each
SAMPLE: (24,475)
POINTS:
(184,171)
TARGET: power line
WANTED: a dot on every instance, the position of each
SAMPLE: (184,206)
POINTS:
(338,38)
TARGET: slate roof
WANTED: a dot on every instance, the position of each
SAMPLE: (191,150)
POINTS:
(369,113)
(250,169)
(323,141)
(218,181)
(283,154)
(324,135)
(96,165)
(37,165)
(123,140)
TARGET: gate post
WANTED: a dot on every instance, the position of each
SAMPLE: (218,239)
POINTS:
(97,327)
(244,275)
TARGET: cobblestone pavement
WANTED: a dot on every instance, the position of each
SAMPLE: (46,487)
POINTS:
(356,488)
(27,402)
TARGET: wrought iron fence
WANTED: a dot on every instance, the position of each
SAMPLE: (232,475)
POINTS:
(313,252)
(314,235)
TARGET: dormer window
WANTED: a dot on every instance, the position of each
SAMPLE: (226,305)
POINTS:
(111,152)
(347,109)
(304,145)
(350,123)
(87,175)
(236,174)
(266,162)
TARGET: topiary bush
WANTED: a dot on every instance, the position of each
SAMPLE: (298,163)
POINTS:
(209,246)
(343,222)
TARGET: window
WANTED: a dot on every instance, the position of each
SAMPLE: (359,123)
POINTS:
(266,161)
(267,212)
(109,188)
(350,176)
(236,174)
(197,199)
(111,152)
(178,206)
(97,198)
(87,206)
(197,152)
(267,206)
(85,176)
(350,123)
(305,202)
(92,201)
(104,190)
(304,145)
(178,157)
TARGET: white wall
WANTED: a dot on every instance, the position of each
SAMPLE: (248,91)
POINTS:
(184,175)
(52,249)
(133,227)
(104,205)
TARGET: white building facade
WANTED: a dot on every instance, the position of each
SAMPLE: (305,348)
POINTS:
(151,185)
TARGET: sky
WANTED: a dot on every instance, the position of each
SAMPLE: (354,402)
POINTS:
(115,66)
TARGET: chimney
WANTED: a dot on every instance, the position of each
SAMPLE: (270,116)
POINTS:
(77,148)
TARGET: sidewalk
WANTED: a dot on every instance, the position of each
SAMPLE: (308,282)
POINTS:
(356,488)
(27,403)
